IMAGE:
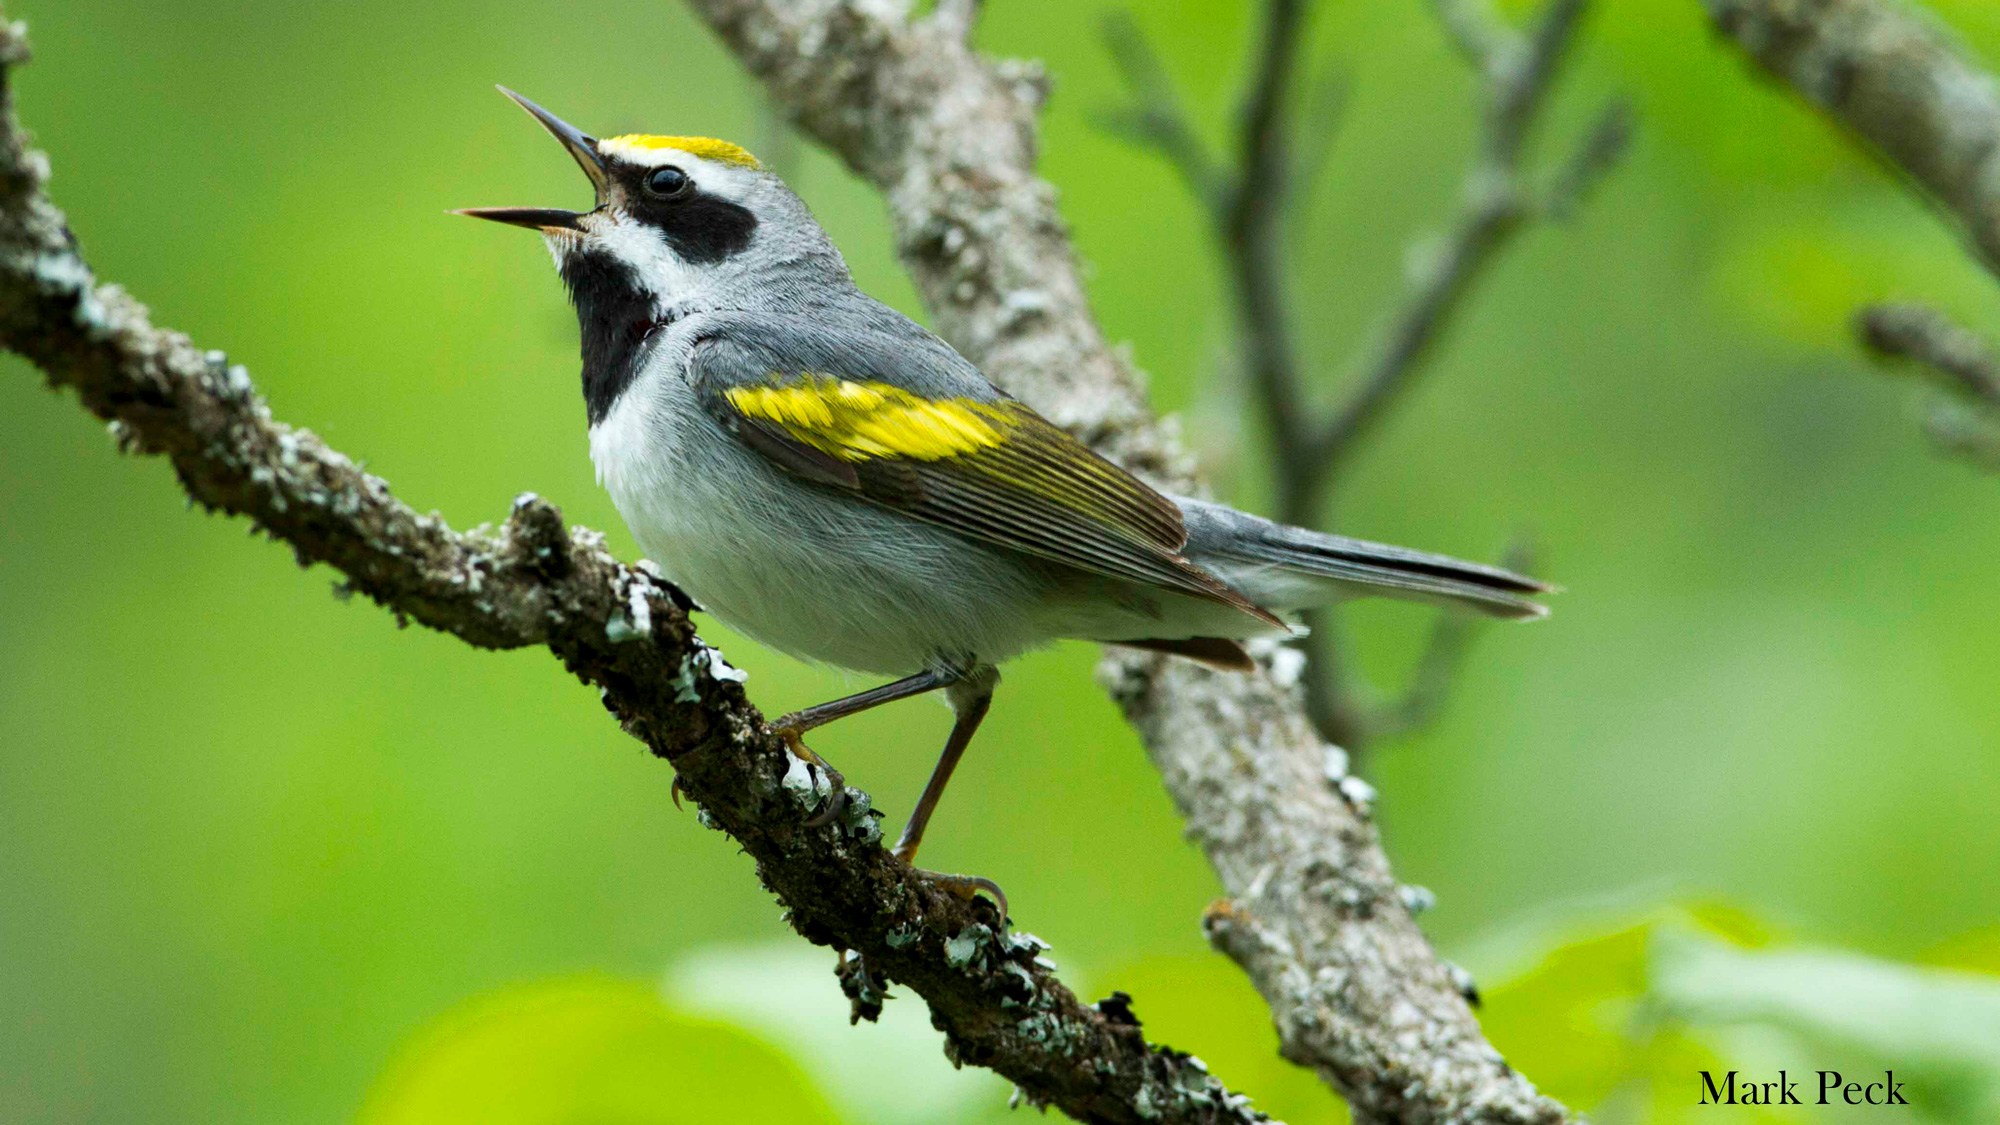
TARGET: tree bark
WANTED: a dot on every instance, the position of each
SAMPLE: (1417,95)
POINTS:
(1314,914)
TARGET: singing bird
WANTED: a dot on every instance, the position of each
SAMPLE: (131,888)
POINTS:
(828,477)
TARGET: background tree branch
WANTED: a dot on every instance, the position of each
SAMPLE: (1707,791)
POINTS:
(1313,914)
(1247,204)
(1893,78)
(1961,364)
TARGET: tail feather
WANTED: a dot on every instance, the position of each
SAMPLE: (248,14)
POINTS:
(1285,567)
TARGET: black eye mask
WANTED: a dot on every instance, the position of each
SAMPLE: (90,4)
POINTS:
(700,228)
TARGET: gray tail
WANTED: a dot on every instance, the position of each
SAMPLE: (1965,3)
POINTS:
(1286,567)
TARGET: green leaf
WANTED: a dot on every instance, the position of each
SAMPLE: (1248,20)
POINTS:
(1581,1023)
(890,1072)
(588,1051)
(1938,1029)
(1568,1022)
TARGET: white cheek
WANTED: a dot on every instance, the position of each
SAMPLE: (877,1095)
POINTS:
(647,253)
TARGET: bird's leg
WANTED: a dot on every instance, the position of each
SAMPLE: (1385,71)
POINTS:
(970,697)
(792,726)
(970,693)
(799,722)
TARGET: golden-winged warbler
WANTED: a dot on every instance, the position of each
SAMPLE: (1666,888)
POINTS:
(826,476)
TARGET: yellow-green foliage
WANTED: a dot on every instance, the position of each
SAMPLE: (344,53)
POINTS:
(588,1049)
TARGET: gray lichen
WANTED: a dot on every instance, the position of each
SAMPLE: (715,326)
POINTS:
(859,818)
(700,662)
(961,948)
(807,785)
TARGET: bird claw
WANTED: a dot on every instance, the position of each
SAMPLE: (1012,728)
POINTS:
(864,993)
(836,801)
(968,887)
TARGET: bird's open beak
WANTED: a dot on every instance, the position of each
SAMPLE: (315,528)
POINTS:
(582,148)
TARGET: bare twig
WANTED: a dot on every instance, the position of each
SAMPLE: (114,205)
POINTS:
(1481,36)
(1157,119)
(1516,75)
(1599,152)
(1495,200)
(1958,361)
(1246,207)
(1424,697)
(1316,918)
(1965,433)
(537,583)
(1325,110)
(1250,227)
(1246,203)
(1968,365)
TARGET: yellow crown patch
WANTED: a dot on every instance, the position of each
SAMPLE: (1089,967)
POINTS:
(859,421)
(707,148)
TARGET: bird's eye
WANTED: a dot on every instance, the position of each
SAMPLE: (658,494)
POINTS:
(669,182)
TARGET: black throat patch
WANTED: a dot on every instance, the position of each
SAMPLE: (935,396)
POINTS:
(614,315)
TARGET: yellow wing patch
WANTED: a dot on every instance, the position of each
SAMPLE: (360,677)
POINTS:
(860,421)
(632,145)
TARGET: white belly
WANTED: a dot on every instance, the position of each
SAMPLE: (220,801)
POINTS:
(797,567)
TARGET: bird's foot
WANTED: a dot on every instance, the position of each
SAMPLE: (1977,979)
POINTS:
(969,887)
(836,801)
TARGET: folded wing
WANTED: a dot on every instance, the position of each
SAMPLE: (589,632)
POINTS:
(987,467)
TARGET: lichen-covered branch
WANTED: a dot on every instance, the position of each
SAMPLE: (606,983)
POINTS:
(1313,914)
(1246,203)
(536,582)
(1895,79)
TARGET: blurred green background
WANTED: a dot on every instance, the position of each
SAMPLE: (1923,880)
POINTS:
(265,858)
